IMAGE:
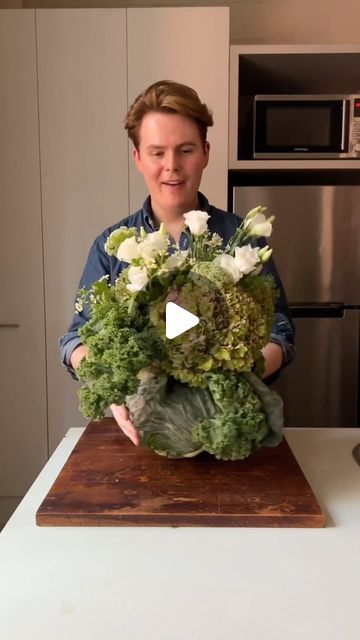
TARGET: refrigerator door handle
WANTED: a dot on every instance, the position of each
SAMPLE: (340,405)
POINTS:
(317,309)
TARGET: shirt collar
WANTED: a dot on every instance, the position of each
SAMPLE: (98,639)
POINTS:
(147,214)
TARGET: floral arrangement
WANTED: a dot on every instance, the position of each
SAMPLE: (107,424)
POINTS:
(201,391)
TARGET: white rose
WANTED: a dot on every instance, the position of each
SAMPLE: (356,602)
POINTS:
(128,250)
(258,225)
(175,260)
(227,263)
(197,222)
(246,258)
(153,244)
(138,278)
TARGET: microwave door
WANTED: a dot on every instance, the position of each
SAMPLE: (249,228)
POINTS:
(300,128)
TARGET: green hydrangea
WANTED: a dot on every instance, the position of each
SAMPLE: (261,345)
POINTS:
(236,326)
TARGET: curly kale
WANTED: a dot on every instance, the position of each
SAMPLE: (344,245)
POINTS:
(120,345)
(110,371)
(240,423)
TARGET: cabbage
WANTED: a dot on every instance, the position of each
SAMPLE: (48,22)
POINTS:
(231,417)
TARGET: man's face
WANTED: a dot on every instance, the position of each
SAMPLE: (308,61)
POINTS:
(171,157)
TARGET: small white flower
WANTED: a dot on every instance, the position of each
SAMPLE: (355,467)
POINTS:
(246,258)
(228,264)
(215,240)
(197,222)
(150,263)
(128,250)
(259,225)
(138,279)
(175,260)
(153,244)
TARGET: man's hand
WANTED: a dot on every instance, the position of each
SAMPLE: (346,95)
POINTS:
(78,354)
(273,356)
(121,415)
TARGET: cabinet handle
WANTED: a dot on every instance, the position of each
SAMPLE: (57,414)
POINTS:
(9,326)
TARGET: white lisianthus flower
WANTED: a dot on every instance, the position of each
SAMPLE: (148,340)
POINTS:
(175,260)
(259,225)
(154,243)
(265,253)
(197,222)
(227,263)
(128,250)
(253,212)
(117,237)
(138,278)
(246,258)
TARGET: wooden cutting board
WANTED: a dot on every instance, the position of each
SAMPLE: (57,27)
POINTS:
(107,481)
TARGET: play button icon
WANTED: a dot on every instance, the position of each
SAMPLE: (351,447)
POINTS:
(178,320)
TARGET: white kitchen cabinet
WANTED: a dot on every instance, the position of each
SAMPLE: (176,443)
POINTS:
(23,420)
(92,64)
(84,166)
(188,45)
(68,77)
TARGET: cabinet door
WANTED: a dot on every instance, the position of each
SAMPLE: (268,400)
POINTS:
(84,165)
(188,45)
(23,430)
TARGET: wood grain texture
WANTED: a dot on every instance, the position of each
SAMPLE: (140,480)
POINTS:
(108,482)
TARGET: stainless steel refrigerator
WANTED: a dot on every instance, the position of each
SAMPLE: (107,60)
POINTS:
(316,241)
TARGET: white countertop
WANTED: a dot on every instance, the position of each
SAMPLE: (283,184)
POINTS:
(187,583)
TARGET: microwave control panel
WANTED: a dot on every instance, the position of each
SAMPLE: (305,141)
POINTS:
(355,129)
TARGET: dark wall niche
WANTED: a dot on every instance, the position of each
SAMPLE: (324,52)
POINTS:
(281,73)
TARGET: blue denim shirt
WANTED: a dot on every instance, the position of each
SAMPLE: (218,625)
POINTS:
(99,263)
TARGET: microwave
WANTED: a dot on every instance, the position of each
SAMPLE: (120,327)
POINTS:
(306,126)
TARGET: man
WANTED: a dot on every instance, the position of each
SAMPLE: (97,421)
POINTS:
(168,126)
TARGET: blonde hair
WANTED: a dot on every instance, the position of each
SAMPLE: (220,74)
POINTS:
(168,97)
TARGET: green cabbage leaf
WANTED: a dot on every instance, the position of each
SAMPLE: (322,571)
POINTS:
(230,417)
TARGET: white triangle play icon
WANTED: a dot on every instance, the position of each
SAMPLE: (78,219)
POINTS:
(178,320)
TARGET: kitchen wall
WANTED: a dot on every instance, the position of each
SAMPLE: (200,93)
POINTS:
(255,21)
